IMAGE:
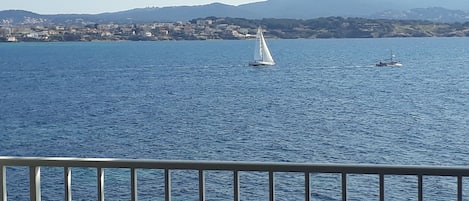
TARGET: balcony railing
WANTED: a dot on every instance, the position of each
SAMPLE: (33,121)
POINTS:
(35,164)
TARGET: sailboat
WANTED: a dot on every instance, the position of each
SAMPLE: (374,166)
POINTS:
(262,56)
(390,63)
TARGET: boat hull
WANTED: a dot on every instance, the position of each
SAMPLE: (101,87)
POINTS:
(261,63)
(397,64)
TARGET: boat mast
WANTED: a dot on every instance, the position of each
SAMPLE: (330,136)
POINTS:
(392,56)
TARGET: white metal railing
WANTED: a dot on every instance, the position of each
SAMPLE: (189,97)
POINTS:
(35,164)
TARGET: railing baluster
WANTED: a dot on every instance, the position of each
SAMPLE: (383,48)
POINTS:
(133,183)
(307,187)
(236,185)
(68,183)
(35,183)
(344,187)
(420,187)
(100,184)
(167,184)
(201,185)
(3,183)
(459,188)
(271,186)
(381,187)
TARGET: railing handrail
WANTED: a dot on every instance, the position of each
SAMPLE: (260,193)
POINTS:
(35,164)
(235,165)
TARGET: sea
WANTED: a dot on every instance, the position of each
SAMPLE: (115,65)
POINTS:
(323,102)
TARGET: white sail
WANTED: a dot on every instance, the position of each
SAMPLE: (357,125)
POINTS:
(262,54)
(258,48)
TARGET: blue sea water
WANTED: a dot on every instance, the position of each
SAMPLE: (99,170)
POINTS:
(324,102)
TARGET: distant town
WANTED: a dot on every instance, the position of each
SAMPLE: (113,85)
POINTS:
(213,28)
(201,29)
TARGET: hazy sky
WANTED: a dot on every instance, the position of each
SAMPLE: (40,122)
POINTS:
(100,6)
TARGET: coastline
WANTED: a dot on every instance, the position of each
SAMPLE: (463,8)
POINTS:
(232,29)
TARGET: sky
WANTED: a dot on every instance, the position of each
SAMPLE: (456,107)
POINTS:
(101,6)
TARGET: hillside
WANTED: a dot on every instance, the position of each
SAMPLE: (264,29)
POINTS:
(431,10)
(434,14)
(339,27)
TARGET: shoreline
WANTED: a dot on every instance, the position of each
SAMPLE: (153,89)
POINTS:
(270,39)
